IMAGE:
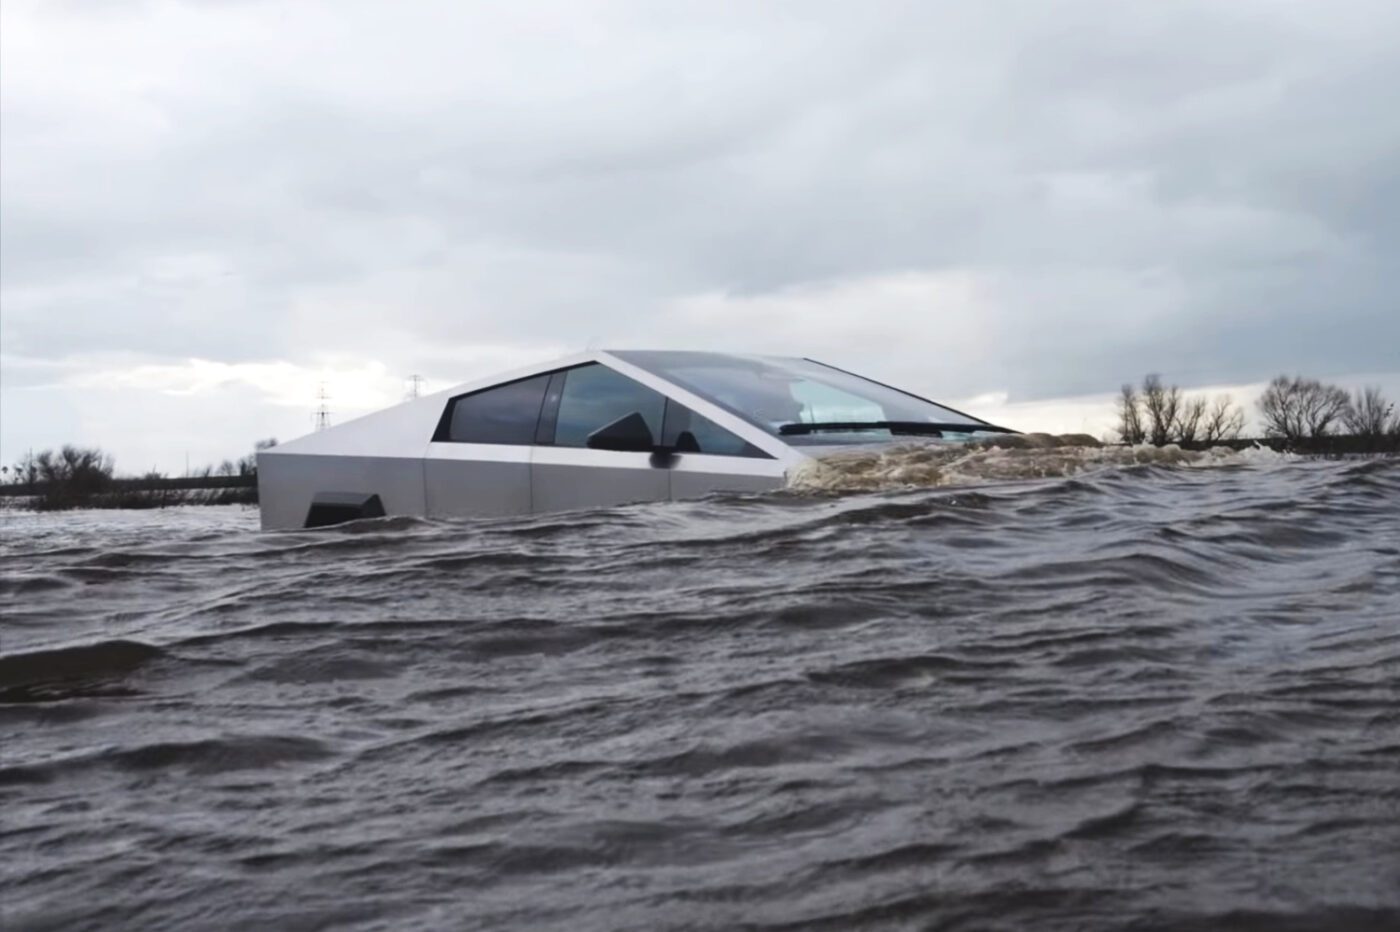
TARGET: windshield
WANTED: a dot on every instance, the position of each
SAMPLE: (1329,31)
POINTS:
(772,393)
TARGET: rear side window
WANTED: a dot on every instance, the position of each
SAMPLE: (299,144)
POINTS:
(504,414)
(594,396)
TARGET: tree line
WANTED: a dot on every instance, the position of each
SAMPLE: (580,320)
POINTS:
(85,477)
(1159,414)
(1292,409)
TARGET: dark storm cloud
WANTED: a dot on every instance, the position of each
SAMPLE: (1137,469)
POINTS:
(1202,188)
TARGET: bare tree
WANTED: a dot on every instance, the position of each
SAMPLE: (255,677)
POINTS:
(1130,416)
(1296,408)
(1190,419)
(1163,405)
(1224,421)
(1278,405)
(1324,406)
(26,471)
(1370,415)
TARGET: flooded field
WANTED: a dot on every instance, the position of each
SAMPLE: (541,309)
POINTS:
(1014,692)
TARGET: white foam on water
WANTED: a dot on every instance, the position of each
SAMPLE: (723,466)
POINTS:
(1034,456)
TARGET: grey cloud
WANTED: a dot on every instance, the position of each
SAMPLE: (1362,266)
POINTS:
(1198,188)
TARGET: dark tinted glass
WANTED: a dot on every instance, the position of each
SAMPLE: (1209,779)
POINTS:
(689,432)
(595,396)
(507,414)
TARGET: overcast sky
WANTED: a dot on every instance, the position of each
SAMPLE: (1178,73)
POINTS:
(210,207)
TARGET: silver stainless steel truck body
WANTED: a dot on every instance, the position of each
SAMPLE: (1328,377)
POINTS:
(595,429)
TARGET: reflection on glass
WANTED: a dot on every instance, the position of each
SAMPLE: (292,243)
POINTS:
(507,414)
(595,396)
(770,392)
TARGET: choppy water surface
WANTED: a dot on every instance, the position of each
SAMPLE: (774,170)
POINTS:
(1149,696)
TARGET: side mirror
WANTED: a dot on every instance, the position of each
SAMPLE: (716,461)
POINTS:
(629,434)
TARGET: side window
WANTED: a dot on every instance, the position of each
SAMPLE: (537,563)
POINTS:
(689,432)
(504,414)
(595,396)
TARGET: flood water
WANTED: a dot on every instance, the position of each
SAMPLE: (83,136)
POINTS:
(1147,696)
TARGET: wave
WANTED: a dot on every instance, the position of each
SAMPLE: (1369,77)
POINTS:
(931,464)
(206,756)
(64,672)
